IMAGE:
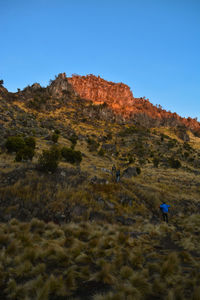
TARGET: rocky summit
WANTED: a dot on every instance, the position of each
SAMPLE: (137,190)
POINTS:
(84,168)
(119,97)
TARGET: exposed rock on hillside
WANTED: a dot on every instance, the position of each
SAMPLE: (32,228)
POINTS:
(99,91)
(60,85)
(119,97)
(113,101)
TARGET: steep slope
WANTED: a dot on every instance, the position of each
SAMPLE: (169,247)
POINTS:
(74,232)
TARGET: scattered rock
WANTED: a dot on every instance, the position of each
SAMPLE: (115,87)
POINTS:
(109,147)
(110,205)
(126,200)
(106,170)
(79,210)
(95,215)
(125,221)
(97,180)
(130,172)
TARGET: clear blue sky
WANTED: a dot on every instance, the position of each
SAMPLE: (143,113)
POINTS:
(151,45)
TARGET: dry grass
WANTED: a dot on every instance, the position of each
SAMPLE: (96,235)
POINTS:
(104,258)
(48,260)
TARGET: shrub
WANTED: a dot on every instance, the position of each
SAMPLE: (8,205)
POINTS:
(187,146)
(134,129)
(142,161)
(57,131)
(26,153)
(128,130)
(48,160)
(171,144)
(24,148)
(14,143)
(71,155)
(101,152)
(138,170)
(174,163)
(109,136)
(56,152)
(131,159)
(30,142)
(55,137)
(156,162)
(92,144)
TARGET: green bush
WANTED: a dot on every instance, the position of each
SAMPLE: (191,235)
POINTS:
(56,152)
(57,131)
(174,163)
(55,137)
(14,143)
(131,159)
(17,143)
(138,170)
(24,147)
(71,155)
(26,153)
(30,142)
(48,160)
(92,144)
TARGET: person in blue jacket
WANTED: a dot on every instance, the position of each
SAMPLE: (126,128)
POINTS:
(164,209)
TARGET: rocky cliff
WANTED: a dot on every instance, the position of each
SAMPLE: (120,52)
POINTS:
(119,97)
(59,85)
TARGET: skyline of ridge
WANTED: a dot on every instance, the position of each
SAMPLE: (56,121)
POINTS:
(107,81)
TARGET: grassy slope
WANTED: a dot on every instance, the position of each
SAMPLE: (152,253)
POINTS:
(103,259)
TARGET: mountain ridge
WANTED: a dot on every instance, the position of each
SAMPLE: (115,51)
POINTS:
(95,98)
(117,96)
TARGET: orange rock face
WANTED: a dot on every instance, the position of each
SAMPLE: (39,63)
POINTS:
(119,97)
(99,90)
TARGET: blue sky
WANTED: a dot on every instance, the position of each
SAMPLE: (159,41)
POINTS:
(151,45)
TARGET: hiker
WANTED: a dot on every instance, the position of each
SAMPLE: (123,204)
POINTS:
(164,209)
(118,175)
(113,169)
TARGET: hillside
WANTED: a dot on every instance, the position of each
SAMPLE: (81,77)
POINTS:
(68,230)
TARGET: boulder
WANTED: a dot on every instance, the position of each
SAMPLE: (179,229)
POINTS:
(130,172)
(109,147)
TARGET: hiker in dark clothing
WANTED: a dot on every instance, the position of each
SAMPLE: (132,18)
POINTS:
(164,209)
(113,172)
(113,169)
(118,175)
